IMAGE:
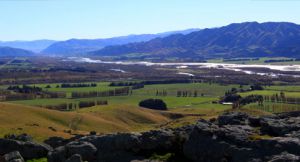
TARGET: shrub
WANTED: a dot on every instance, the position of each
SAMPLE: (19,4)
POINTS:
(102,102)
(251,99)
(231,98)
(156,104)
(84,104)
(61,107)
(256,87)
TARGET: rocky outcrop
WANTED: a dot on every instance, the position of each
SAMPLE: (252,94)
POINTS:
(13,157)
(233,140)
(232,137)
(22,137)
(233,118)
(137,146)
(280,126)
(208,142)
(284,157)
(28,150)
(75,158)
(56,141)
(85,149)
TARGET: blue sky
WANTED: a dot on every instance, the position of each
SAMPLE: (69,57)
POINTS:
(65,19)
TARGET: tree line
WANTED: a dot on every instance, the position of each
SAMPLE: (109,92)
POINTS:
(238,101)
(241,59)
(78,85)
(74,106)
(151,82)
(25,89)
(280,60)
(25,92)
(188,94)
(116,92)
(282,98)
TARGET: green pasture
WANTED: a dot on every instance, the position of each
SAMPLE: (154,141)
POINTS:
(210,92)
(172,101)
(271,92)
(56,87)
(285,88)
(101,86)
(206,94)
(274,107)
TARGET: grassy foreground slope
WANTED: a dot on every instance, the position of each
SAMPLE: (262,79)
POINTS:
(40,122)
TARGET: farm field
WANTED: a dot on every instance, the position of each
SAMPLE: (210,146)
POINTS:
(274,107)
(123,114)
(206,94)
(53,87)
(271,92)
(43,123)
(285,88)
(292,92)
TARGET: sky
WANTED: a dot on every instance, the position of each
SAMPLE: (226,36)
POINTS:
(66,19)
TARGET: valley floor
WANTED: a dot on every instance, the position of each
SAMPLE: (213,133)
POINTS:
(122,114)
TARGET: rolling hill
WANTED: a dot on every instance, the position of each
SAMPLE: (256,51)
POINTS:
(249,39)
(82,46)
(35,46)
(43,123)
(14,52)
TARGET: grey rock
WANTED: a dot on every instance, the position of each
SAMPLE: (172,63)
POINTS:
(277,145)
(120,141)
(237,134)
(254,121)
(57,155)
(120,147)
(85,149)
(22,137)
(158,140)
(13,157)
(126,147)
(294,134)
(74,158)
(211,143)
(56,141)
(284,157)
(228,140)
(28,150)
(233,118)
(287,115)
(280,127)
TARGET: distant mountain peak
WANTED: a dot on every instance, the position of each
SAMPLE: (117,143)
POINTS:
(248,39)
(83,46)
(14,52)
(35,45)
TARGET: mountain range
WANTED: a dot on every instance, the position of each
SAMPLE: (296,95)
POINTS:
(249,39)
(14,52)
(35,46)
(83,46)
